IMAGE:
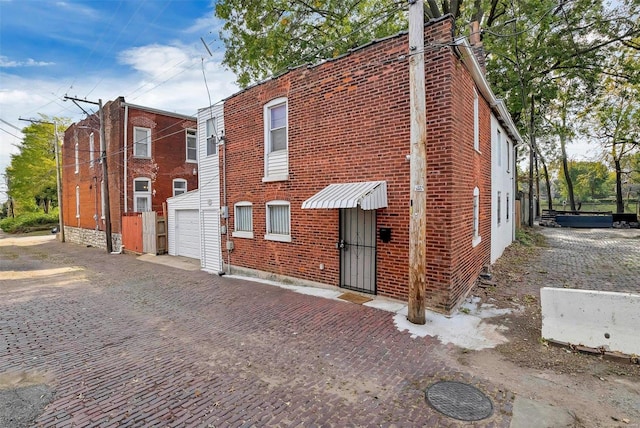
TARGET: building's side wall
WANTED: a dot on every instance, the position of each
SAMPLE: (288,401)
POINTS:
(502,180)
(209,185)
(349,121)
(470,169)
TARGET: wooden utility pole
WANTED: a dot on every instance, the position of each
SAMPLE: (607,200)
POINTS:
(56,150)
(105,170)
(418,166)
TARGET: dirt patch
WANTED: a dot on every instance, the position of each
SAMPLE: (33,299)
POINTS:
(598,392)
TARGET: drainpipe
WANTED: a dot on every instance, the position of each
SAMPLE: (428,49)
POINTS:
(126,128)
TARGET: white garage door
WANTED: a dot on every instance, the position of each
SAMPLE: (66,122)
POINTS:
(187,233)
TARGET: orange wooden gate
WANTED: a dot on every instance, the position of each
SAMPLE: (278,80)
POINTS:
(132,232)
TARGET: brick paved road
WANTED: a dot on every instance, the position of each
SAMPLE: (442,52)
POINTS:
(129,343)
(592,259)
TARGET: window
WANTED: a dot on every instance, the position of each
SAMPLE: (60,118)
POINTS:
(77,158)
(192,146)
(508,156)
(508,209)
(91,150)
(278,221)
(476,217)
(141,142)
(276,140)
(103,205)
(277,127)
(211,136)
(77,201)
(179,186)
(141,195)
(499,148)
(499,208)
(476,121)
(243,221)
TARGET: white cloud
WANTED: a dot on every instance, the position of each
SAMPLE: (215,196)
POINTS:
(164,77)
(30,62)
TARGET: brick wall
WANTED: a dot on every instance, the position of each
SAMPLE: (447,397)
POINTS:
(168,161)
(349,121)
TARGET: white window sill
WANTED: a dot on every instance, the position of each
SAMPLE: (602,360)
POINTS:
(242,234)
(191,161)
(477,151)
(275,178)
(77,215)
(476,241)
(279,238)
(141,157)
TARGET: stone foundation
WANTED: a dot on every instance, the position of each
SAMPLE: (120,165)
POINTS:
(94,238)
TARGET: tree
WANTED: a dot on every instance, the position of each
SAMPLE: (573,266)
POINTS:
(31,175)
(590,179)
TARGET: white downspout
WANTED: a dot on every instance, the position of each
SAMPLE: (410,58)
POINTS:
(126,128)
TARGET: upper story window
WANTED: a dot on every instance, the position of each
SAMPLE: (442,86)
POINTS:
(212,147)
(192,146)
(92,148)
(499,148)
(179,186)
(276,140)
(278,221)
(508,155)
(77,155)
(141,195)
(243,220)
(141,142)
(476,120)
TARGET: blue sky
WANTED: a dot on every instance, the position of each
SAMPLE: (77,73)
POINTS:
(148,51)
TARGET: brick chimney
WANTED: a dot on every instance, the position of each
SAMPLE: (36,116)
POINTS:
(475,39)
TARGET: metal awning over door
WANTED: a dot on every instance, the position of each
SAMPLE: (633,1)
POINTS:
(368,195)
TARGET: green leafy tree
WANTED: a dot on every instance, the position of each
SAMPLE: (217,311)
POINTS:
(31,175)
(591,180)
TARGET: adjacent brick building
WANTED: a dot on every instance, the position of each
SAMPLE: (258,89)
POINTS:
(151,155)
(345,122)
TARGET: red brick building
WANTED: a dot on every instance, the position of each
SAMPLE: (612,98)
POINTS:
(151,156)
(345,122)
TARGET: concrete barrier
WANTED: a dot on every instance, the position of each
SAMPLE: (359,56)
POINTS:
(596,319)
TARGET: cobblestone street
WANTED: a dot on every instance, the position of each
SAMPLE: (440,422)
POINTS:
(129,343)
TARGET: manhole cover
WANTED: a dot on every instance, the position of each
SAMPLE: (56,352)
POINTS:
(459,400)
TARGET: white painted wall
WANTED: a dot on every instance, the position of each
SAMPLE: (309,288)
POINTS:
(503,181)
(209,186)
(185,201)
(584,317)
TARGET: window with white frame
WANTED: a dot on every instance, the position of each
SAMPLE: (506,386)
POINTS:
(212,146)
(278,221)
(141,195)
(77,154)
(476,217)
(499,208)
(103,205)
(141,142)
(192,146)
(499,148)
(276,140)
(476,121)
(508,155)
(179,186)
(91,150)
(77,201)
(243,220)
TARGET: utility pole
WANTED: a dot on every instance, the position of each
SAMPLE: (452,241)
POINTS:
(418,166)
(58,181)
(105,170)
